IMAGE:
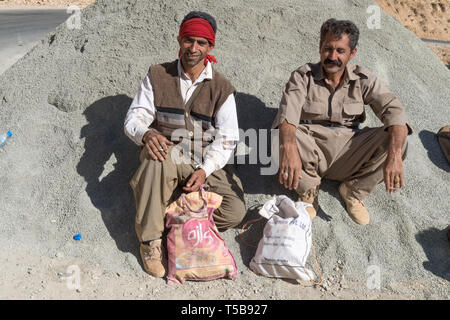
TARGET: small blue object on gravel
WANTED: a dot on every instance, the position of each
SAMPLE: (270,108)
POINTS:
(77,237)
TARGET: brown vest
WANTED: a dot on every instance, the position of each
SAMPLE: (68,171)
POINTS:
(199,112)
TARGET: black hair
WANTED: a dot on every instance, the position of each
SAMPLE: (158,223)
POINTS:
(339,27)
(201,15)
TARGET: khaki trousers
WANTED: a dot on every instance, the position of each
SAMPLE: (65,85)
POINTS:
(156,184)
(343,154)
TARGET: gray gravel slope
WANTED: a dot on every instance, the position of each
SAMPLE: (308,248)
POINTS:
(69,160)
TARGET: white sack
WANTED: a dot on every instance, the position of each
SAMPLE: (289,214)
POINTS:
(286,243)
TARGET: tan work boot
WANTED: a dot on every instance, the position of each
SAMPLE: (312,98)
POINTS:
(355,208)
(312,211)
(154,258)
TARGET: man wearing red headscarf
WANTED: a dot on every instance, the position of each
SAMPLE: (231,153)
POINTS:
(185,95)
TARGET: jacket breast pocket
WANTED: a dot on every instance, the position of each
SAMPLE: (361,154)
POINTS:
(313,110)
(353,108)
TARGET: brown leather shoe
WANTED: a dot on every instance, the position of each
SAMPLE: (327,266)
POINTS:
(312,211)
(355,208)
(154,258)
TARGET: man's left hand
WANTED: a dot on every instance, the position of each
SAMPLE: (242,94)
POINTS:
(393,167)
(393,172)
(195,181)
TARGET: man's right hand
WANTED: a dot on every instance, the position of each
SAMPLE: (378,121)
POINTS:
(290,162)
(290,166)
(156,145)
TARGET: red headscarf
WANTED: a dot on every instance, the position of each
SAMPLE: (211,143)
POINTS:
(198,27)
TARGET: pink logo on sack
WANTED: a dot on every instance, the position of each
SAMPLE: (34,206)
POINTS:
(197,234)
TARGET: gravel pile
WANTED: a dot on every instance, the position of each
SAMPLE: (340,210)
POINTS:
(67,168)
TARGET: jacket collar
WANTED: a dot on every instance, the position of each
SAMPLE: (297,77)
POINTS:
(207,73)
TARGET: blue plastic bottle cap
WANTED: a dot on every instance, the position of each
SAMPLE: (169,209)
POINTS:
(77,237)
(9,133)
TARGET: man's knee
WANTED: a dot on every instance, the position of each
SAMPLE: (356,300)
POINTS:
(238,213)
(230,215)
(308,184)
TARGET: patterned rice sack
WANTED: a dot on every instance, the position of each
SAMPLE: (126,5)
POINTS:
(196,250)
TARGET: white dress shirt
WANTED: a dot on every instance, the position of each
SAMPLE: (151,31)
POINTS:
(142,113)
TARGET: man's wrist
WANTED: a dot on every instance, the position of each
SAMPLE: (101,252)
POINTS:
(397,136)
(146,134)
(198,169)
(207,168)
(287,133)
(395,152)
(289,145)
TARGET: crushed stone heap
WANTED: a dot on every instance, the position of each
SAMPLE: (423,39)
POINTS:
(69,160)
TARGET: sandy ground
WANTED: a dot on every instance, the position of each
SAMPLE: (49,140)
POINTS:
(59,277)
(428,19)
(443,53)
(78,99)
